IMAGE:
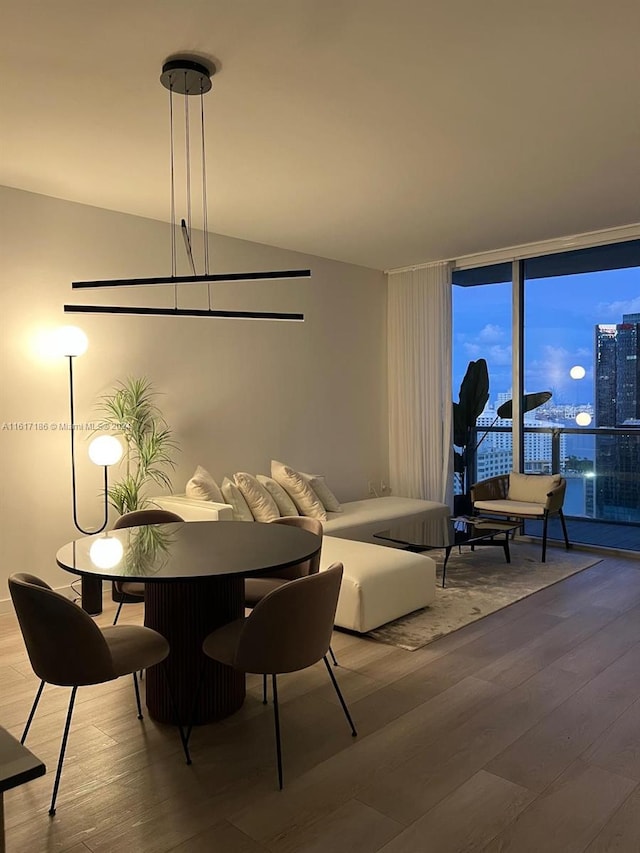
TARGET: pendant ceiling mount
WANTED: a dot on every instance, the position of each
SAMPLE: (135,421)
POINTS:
(187,77)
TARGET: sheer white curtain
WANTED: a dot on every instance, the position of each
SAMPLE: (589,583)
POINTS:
(419,375)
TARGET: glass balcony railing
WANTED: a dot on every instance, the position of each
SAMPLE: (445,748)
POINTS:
(602,469)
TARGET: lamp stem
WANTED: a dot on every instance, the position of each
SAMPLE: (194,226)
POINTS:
(73,465)
(486,433)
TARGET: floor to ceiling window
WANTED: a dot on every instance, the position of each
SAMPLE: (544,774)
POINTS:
(482,324)
(581,343)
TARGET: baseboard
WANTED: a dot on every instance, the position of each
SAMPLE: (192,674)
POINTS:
(584,546)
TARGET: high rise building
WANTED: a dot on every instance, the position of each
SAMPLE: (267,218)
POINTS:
(617,404)
(494,454)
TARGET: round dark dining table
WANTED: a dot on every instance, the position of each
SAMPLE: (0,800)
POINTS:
(194,582)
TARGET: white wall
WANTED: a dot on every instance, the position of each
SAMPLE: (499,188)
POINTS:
(236,392)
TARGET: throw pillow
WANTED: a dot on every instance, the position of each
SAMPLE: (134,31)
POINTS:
(531,487)
(299,490)
(324,493)
(202,487)
(280,496)
(261,504)
(233,496)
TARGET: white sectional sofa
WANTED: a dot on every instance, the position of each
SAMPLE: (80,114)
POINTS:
(357,519)
(380,583)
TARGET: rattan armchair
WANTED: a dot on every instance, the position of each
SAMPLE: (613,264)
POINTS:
(523,496)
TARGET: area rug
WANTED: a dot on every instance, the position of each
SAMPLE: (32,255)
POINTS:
(478,583)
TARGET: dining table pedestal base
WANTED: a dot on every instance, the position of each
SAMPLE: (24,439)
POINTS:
(185,612)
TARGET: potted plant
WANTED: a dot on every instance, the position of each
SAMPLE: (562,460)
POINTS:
(131,412)
(472,398)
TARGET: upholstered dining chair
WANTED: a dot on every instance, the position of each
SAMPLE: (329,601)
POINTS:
(256,588)
(289,629)
(129,592)
(68,649)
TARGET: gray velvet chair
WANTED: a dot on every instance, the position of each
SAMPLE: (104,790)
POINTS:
(255,589)
(130,592)
(288,630)
(68,649)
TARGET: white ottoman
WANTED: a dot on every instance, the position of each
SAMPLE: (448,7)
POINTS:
(379,583)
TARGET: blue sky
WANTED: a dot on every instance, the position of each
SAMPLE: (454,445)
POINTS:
(560,316)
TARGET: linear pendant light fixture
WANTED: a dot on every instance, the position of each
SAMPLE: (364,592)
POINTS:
(184,76)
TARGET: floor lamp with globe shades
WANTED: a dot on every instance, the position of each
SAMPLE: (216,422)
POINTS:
(104,450)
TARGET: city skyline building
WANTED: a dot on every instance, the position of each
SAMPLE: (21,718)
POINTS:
(617,404)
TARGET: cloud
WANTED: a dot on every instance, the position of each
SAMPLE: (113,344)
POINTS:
(495,356)
(498,355)
(491,332)
(473,351)
(551,368)
(611,312)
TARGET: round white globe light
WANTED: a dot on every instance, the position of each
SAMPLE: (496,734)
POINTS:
(105,450)
(577,372)
(70,340)
(106,553)
(583,418)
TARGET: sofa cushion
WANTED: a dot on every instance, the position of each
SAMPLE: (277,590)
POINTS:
(299,490)
(280,496)
(203,487)
(324,493)
(531,487)
(262,505)
(233,496)
(379,583)
(361,519)
(517,509)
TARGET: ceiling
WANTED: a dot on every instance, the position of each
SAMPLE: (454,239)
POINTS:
(379,132)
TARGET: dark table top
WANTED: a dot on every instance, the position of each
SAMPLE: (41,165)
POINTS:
(17,763)
(188,550)
(444,532)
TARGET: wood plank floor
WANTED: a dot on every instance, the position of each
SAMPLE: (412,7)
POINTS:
(518,733)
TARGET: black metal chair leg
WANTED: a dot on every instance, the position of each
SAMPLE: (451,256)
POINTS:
(118,612)
(135,684)
(32,712)
(264,688)
(333,657)
(340,697)
(276,716)
(544,537)
(447,552)
(564,529)
(183,738)
(63,747)
(505,548)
